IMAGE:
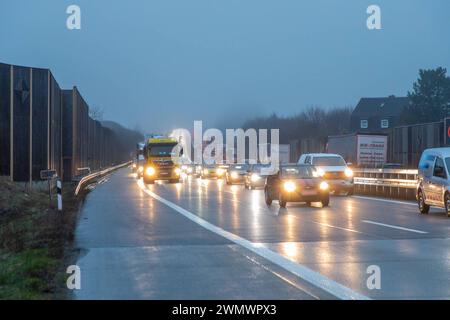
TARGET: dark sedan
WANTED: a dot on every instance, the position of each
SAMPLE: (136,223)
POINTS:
(236,173)
(256,176)
(296,183)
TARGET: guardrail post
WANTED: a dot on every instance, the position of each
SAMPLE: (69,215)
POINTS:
(59,192)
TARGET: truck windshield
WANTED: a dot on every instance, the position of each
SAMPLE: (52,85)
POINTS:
(328,161)
(162,150)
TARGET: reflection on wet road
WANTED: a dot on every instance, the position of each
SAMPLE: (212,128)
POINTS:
(204,239)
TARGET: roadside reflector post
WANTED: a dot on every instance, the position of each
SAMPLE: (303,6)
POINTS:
(49,175)
(59,192)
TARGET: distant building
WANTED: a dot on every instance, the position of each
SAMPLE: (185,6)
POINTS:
(378,115)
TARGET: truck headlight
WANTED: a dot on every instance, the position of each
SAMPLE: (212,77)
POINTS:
(150,171)
(289,186)
(255,177)
(234,175)
(348,172)
(323,185)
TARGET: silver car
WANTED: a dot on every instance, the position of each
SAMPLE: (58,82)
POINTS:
(433,187)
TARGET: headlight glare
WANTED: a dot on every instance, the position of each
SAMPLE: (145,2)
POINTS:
(323,185)
(150,171)
(289,186)
(348,172)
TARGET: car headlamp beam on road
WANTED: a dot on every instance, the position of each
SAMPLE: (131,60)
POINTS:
(150,171)
(348,172)
(323,186)
(289,186)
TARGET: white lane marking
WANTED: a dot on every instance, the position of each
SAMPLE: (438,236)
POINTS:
(393,227)
(385,200)
(315,278)
(341,228)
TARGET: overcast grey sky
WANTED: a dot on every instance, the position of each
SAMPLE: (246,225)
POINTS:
(162,64)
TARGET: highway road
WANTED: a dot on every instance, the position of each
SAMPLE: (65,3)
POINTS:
(202,239)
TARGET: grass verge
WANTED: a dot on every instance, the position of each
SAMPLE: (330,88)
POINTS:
(35,242)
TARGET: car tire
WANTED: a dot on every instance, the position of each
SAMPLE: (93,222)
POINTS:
(326,201)
(282,202)
(267,197)
(423,207)
(350,192)
(447,204)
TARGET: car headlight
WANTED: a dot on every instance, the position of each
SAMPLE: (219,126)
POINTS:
(255,177)
(289,186)
(134,165)
(234,175)
(205,171)
(150,171)
(177,171)
(189,170)
(141,169)
(348,172)
(319,172)
(323,185)
(220,171)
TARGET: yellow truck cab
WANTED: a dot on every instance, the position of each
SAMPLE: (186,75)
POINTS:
(161,160)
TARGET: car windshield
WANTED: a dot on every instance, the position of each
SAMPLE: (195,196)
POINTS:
(447,162)
(259,167)
(162,150)
(239,167)
(328,161)
(297,172)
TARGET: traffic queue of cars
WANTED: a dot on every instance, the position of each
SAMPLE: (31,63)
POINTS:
(310,180)
(316,175)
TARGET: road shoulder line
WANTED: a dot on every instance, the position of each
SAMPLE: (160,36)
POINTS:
(316,279)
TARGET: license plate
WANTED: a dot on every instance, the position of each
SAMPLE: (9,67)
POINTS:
(309,192)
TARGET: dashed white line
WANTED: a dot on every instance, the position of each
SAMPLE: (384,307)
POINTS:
(394,227)
(386,200)
(315,278)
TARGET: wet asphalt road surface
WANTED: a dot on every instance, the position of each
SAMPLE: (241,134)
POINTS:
(202,239)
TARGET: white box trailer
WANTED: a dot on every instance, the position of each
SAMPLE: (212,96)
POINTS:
(365,150)
(283,152)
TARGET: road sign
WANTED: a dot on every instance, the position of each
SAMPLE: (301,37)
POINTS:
(48,174)
(447,131)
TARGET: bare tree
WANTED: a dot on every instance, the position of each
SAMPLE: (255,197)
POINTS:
(96,113)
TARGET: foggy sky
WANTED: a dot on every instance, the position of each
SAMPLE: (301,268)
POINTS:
(161,64)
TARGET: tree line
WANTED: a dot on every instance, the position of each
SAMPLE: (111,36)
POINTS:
(429,102)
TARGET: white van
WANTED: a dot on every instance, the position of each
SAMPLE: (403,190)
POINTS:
(433,187)
(333,168)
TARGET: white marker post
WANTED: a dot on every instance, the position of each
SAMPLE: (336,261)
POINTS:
(59,192)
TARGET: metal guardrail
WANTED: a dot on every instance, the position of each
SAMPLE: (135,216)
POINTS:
(96,175)
(395,183)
